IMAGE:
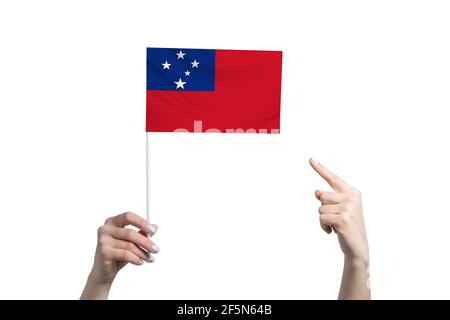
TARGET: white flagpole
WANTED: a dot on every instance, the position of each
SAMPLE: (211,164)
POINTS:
(147,166)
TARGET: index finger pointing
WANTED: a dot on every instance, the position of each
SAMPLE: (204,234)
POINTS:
(332,179)
(130,218)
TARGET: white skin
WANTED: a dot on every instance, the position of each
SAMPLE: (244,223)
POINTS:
(116,247)
(341,211)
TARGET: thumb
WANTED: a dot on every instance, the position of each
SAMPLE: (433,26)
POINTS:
(146,233)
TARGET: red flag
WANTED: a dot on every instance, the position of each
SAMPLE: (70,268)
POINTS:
(201,90)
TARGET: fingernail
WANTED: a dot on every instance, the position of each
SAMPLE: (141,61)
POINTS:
(151,228)
(155,248)
(151,259)
(141,261)
(313,159)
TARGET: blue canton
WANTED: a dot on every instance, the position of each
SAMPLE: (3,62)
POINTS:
(180,69)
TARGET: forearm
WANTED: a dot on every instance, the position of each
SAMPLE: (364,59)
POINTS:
(355,283)
(95,290)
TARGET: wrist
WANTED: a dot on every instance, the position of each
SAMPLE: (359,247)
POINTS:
(98,278)
(357,262)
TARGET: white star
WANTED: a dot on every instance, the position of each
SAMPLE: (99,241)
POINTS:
(180,55)
(180,84)
(188,73)
(195,64)
(166,65)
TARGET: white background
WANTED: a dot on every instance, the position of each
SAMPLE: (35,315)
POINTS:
(365,89)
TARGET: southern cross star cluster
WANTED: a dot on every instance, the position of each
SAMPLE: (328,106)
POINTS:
(194,64)
(181,69)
